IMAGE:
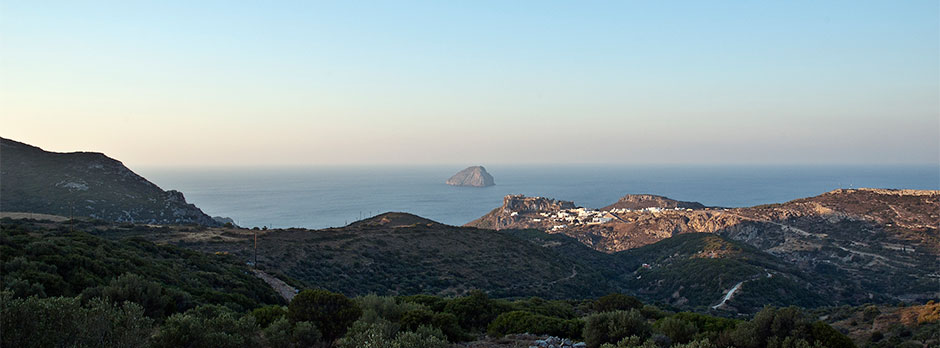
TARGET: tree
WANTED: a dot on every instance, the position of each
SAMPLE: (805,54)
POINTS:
(330,312)
(64,322)
(678,330)
(267,315)
(207,326)
(474,311)
(611,327)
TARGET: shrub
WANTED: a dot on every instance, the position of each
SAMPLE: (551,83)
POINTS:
(678,330)
(652,312)
(616,302)
(434,303)
(330,312)
(474,311)
(558,309)
(446,322)
(278,333)
(51,322)
(783,327)
(830,337)
(376,307)
(703,343)
(707,323)
(267,315)
(610,327)
(522,322)
(306,334)
(424,337)
(363,334)
(631,342)
(207,326)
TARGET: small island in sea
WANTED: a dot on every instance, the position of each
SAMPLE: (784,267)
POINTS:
(475,176)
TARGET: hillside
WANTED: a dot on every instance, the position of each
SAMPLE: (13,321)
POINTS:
(883,241)
(86,184)
(403,254)
(46,259)
(697,270)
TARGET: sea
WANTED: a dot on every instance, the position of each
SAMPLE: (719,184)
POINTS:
(321,197)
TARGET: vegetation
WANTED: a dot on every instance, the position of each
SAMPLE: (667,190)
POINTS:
(330,312)
(65,321)
(128,292)
(162,279)
(522,321)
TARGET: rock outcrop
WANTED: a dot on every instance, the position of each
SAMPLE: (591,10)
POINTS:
(475,176)
(643,201)
(514,210)
(86,184)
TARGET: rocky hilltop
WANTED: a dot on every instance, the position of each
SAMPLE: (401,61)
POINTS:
(514,205)
(644,201)
(883,240)
(475,176)
(86,184)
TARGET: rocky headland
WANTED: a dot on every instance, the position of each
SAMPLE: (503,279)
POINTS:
(86,184)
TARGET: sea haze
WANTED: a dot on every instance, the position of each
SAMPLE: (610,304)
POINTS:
(333,196)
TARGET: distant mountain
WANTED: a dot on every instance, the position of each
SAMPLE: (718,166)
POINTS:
(472,176)
(86,184)
(885,242)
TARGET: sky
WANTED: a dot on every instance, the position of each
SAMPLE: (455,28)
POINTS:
(274,83)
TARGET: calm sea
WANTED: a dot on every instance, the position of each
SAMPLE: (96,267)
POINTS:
(334,196)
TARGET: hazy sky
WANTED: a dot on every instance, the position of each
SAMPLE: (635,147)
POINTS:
(474,82)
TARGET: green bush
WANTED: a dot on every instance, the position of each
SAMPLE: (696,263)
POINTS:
(611,327)
(207,326)
(678,330)
(267,315)
(474,311)
(435,303)
(306,334)
(783,327)
(278,333)
(363,334)
(557,309)
(830,337)
(522,322)
(445,322)
(330,312)
(376,307)
(65,322)
(423,337)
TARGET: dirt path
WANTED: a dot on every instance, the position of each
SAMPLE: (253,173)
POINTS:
(574,273)
(286,291)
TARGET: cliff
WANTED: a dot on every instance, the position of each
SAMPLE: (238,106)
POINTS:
(472,176)
(86,184)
